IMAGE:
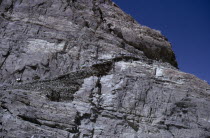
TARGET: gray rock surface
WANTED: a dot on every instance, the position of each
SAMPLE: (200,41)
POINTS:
(84,68)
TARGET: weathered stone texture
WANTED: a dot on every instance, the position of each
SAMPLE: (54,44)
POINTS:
(84,68)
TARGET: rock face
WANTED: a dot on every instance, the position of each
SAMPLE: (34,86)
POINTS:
(84,68)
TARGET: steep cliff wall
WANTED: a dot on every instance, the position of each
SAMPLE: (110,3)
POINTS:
(84,68)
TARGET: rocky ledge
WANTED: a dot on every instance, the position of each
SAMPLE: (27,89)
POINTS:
(84,68)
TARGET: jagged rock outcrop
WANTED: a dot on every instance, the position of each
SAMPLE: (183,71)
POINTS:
(84,68)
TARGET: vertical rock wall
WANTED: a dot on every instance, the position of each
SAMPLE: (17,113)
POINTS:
(84,68)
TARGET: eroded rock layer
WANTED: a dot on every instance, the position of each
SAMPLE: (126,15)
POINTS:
(84,68)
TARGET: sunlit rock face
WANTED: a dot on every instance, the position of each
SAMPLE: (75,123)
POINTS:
(84,68)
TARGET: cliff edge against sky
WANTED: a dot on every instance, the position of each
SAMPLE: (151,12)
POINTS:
(84,68)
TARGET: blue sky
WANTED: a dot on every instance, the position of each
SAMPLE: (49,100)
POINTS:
(186,23)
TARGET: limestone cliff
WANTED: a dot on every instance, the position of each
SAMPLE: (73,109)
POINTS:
(84,68)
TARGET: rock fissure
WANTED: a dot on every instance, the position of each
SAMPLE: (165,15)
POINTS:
(31,120)
(5,58)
